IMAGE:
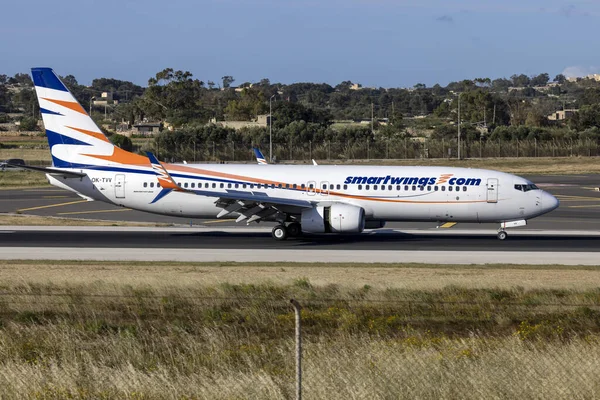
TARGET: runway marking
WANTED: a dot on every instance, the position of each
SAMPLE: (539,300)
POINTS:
(54,197)
(45,190)
(577,198)
(52,205)
(448,225)
(218,221)
(93,211)
(586,206)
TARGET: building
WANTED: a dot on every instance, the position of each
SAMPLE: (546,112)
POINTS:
(561,115)
(147,128)
(105,98)
(261,121)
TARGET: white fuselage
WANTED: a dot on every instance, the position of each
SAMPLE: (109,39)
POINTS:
(385,193)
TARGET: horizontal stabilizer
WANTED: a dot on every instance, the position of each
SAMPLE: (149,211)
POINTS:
(49,170)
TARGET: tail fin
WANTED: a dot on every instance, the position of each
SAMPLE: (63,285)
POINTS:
(74,138)
(259,156)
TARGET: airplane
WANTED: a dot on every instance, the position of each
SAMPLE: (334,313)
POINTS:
(260,159)
(300,198)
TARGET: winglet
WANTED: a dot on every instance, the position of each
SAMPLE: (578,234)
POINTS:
(259,156)
(165,179)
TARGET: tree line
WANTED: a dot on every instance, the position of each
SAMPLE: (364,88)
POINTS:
(507,108)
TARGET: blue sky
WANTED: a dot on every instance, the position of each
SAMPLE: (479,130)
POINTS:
(388,43)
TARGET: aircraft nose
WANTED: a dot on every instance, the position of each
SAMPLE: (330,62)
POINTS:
(549,202)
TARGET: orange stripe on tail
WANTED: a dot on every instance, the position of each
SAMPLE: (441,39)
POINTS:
(68,104)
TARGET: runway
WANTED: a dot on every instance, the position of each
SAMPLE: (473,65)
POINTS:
(569,235)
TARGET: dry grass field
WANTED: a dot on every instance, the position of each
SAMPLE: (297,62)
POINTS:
(225,331)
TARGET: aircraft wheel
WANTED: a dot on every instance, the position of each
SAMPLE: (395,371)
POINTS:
(502,235)
(279,232)
(294,229)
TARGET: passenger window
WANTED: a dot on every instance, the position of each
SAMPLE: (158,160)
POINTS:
(374,187)
(185,185)
(311,186)
(145,184)
(214,185)
(345,187)
(237,185)
(222,185)
(151,184)
(449,188)
(272,186)
(205,185)
(303,186)
(414,188)
(429,188)
(331,187)
(390,187)
(359,187)
(338,187)
(324,186)
(443,188)
(422,188)
(436,188)
(367,187)
(295,186)
(398,187)
(405,187)
(464,188)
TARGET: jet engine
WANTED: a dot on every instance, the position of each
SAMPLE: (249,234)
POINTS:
(337,218)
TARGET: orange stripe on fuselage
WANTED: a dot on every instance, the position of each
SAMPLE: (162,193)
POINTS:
(181,168)
(97,135)
(68,104)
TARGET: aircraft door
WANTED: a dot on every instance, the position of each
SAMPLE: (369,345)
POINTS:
(492,190)
(120,186)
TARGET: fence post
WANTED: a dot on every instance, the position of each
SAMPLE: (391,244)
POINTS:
(297,309)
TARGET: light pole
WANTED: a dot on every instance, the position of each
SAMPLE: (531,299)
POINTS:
(458,138)
(270,131)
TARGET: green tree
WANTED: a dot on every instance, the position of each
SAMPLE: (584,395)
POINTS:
(28,124)
(560,78)
(227,81)
(587,117)
(521,80)
(540,80)
(122,141)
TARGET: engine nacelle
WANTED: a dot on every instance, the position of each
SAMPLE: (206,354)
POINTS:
(337,218)
(374,224)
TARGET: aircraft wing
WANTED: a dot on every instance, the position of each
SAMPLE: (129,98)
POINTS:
(252,205)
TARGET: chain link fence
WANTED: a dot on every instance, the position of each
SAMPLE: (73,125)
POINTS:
(384,149)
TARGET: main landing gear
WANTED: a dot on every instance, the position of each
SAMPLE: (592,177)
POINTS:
(282,232)
(502,234)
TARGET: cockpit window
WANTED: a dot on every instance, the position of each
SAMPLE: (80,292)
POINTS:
(526,188)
